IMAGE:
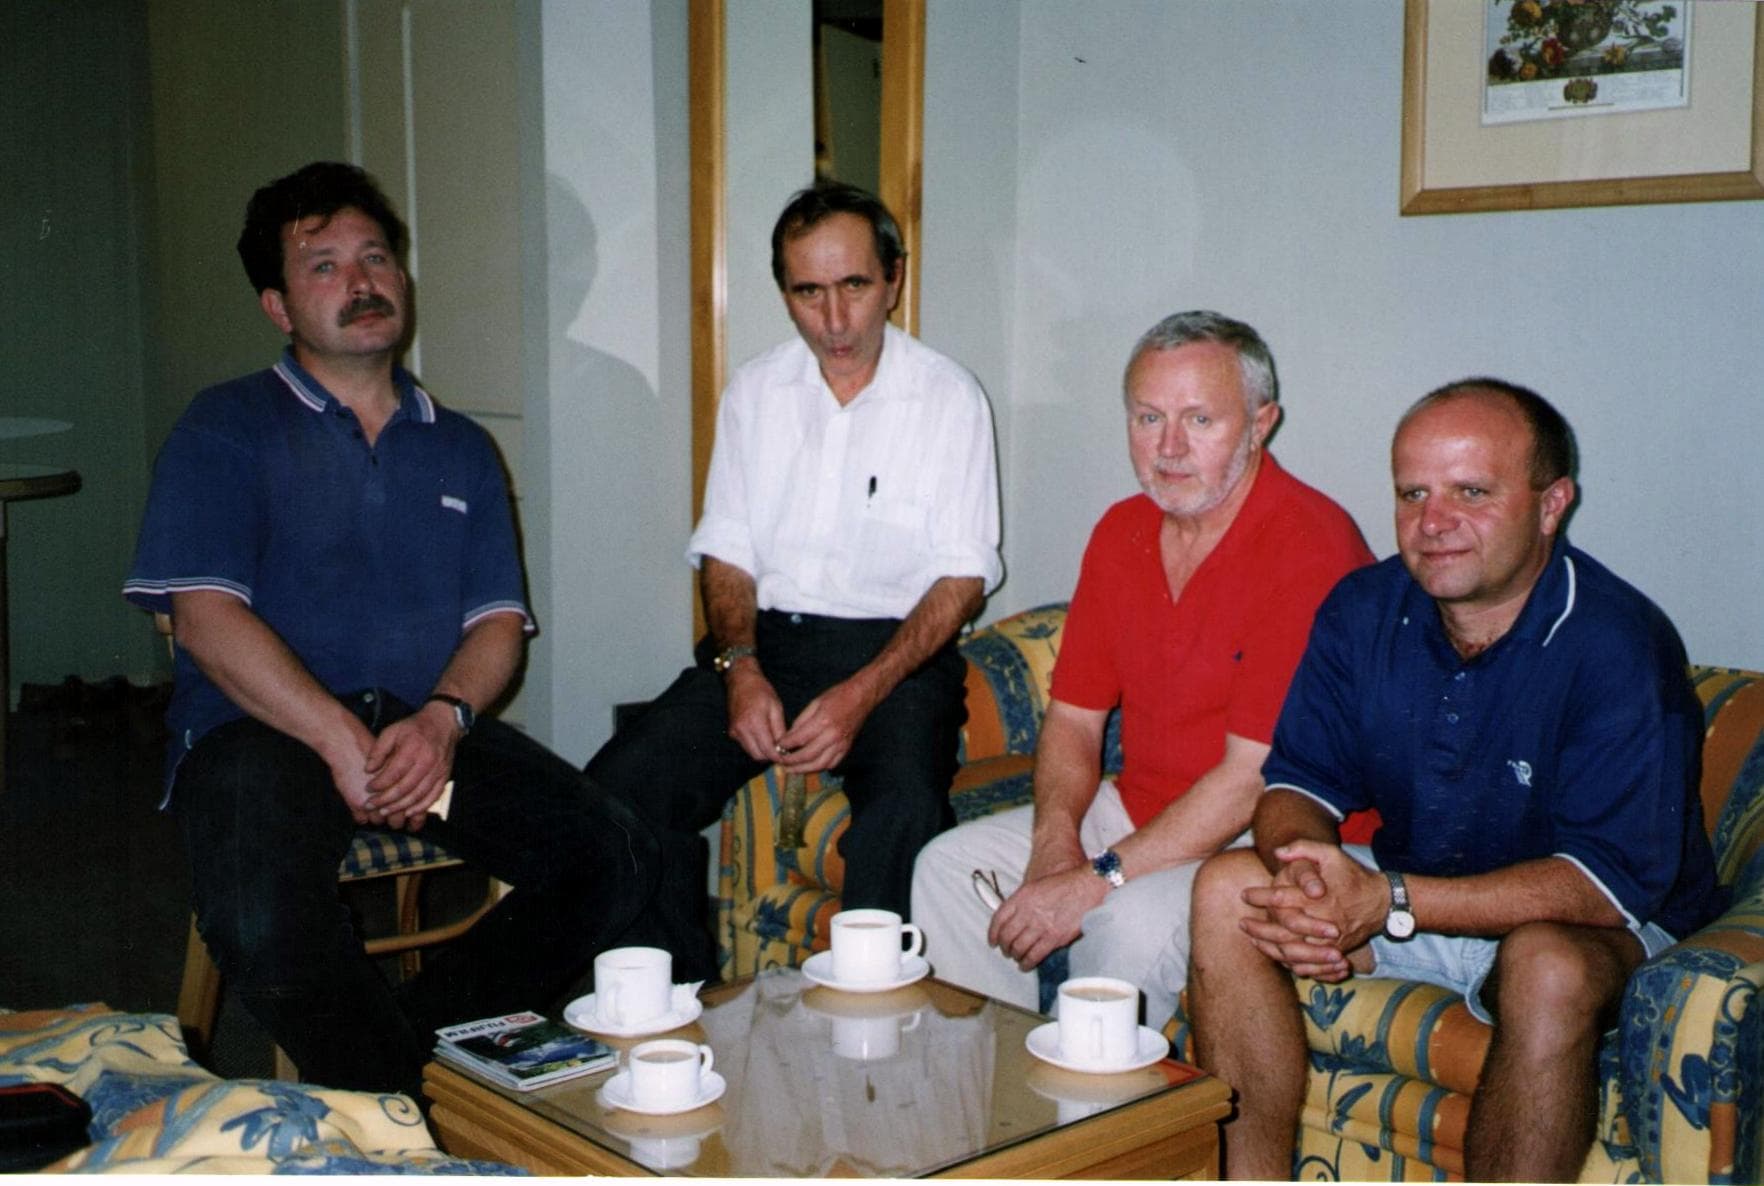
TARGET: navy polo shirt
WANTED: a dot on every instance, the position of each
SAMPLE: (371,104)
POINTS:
(1576,735)
(370,563)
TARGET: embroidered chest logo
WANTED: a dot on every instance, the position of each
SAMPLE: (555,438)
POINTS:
(453,504)
(1521,771)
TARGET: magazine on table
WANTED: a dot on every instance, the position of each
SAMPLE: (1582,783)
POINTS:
(522,1050)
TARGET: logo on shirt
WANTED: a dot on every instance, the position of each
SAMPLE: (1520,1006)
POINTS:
(454,504)
(1521,771)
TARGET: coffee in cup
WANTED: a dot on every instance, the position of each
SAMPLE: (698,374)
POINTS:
(632,985)
(867,946)
(667,1072)
(1099,1021)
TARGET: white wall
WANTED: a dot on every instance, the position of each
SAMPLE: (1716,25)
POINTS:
(610,437)
(1175,154)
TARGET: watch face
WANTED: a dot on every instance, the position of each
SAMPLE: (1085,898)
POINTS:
(1399,924)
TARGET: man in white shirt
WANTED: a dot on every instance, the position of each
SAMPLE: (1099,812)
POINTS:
(850,528)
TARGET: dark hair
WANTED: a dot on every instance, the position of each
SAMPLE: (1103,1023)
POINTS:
(825,199)
(1260,383)
(1553,451)
(321,188)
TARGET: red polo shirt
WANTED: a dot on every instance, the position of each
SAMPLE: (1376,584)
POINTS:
(1217,661)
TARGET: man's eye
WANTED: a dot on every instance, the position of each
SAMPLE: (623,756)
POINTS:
(1474,492)
(1201,420)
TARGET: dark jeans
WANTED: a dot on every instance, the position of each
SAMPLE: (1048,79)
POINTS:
(265,830)
(677,766)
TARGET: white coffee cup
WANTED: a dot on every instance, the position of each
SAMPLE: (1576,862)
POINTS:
(868,1039)
(866,946)
(667,1072)
(1099,1021)
(632,985)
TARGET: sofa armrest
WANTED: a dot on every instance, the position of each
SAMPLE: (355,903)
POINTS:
(1692,1050)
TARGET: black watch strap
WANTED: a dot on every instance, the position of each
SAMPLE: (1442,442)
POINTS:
(464,715)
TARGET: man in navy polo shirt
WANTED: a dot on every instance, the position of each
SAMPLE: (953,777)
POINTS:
(1522,720)
(338,557)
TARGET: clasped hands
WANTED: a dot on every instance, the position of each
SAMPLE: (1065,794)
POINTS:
(1319,910)
(391,780)
(818,739)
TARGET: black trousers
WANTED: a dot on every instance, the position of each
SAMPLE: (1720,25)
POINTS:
(677,767)
(265,829)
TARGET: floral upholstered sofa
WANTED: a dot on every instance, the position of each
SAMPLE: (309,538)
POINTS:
(154,1111)
(1394,1063)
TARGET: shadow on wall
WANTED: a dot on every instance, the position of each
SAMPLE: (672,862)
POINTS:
(618,522)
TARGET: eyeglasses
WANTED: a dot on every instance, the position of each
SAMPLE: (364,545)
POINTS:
(986,886)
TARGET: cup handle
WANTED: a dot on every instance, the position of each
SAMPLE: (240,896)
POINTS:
(710,1058)
(609,1006)
(918,1016)
(917,946)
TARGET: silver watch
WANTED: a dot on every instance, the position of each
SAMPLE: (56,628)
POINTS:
(1399,924)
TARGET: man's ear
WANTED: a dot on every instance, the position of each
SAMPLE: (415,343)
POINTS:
(275,307)
(1553,503)
(1262,424)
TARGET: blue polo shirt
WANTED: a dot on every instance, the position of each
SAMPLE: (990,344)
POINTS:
(1576,735)
(370,563)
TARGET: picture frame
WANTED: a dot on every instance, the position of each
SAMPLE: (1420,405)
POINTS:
(1710,150)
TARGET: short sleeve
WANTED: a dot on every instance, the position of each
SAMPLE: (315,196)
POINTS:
(201,529)
(1085,674)
(494,583)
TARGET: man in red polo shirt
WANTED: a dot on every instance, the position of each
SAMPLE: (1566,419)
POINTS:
(1192,609)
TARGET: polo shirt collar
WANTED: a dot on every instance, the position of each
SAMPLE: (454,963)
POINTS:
(1550,604)
(413,402)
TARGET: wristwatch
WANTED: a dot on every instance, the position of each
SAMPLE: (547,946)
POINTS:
(1399,924)
(1107,865)
(728,657)
(463,714)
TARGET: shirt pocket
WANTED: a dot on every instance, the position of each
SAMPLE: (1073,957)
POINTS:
(892,541)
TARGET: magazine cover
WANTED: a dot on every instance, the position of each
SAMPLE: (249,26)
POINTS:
(522,1050)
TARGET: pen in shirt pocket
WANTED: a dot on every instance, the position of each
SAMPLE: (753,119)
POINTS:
(872,486)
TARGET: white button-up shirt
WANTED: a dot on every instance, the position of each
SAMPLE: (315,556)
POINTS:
(853,511)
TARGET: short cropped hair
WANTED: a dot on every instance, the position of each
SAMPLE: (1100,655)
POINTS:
(1554,453)
(1261,385)
(321,188)
(824,199)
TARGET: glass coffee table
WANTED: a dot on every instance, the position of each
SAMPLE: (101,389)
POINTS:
(927,1080)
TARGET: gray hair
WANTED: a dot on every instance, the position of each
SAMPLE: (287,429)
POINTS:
(1261,386)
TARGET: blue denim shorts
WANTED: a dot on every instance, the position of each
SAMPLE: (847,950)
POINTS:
(1457,962)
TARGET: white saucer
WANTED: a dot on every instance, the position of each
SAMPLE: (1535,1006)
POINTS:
(1044,1043)
(584,1014)
(819,968)
(616,1093)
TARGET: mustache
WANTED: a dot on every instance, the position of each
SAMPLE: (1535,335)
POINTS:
(363,305)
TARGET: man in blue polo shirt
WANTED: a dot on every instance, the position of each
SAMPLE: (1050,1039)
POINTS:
(1522,720)
(338,557)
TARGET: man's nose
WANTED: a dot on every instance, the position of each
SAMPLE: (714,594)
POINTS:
(1436,517)
(838,316)
(1172,439)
